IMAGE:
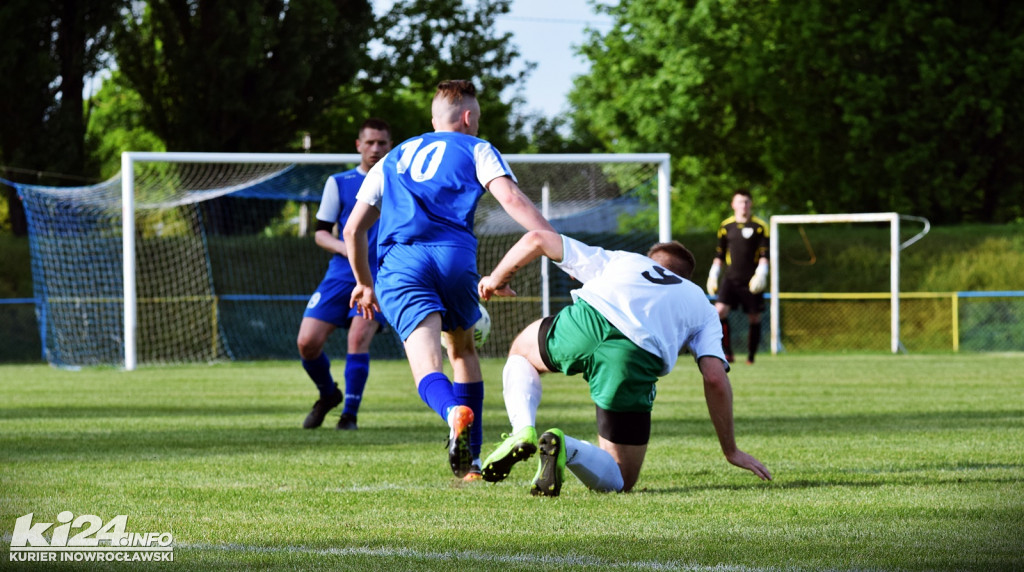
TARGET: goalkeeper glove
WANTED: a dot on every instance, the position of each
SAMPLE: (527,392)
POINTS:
(713,279)
(760,278)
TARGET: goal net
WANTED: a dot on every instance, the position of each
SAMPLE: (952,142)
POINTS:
(195,257)
(805,314)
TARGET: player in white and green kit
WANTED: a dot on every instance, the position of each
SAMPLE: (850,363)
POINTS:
(628,324)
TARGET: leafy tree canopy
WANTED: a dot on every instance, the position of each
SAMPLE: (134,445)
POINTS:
(419,43)
(116,124)
(239,75)
(818,106)
(47,49)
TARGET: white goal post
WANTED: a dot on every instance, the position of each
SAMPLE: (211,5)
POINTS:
(894,262)
(130,162)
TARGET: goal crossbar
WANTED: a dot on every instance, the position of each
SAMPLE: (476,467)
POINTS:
(130,159)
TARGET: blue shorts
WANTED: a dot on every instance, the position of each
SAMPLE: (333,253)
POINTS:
(415,281)
(330,303)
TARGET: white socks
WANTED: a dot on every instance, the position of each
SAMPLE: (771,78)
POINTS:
(592,465)
(521,390)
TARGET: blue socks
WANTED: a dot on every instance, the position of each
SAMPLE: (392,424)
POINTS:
(319,371)
(472,394)
(436,391)
(440,394)
(357,370)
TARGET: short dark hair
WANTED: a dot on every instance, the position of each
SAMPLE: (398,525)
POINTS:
(674,256)
(743,191)
(375,123)
(454,90)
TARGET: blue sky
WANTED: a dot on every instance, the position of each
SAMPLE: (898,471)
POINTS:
(546,32)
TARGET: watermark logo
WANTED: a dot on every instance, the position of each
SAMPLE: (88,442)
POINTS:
(92,541)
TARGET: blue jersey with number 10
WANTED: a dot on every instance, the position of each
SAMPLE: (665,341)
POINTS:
(427,189)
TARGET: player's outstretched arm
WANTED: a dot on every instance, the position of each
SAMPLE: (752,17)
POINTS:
(530,247)
(489,286)
(748,462)
(326,240)
(517,204)
(365,298)
(358,246)
(718,394)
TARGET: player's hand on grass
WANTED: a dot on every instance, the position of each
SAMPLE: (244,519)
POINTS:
(364,297)
(489,286)
(745,461)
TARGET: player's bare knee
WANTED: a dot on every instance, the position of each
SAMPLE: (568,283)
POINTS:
(630,475)
(359,342)
(627,485)
(309,346)
(517,348)
(360,334)
(461,352)
(526,342)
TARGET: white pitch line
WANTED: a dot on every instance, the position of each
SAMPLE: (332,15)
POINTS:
(482,557)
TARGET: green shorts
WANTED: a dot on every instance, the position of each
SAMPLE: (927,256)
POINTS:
(622,375)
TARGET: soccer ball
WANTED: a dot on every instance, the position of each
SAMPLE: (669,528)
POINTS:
(481,331)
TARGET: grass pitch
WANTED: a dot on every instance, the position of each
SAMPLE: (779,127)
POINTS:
(880,463)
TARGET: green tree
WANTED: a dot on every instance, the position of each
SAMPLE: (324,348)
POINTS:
(549,135)
(116,125)
(47,50)
(818,106)
(419,43)
(239,75)
(236,76)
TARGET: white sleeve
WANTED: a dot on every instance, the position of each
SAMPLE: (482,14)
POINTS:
(372,189)
(490,164)
(330,202)
(707,341)
(582,261)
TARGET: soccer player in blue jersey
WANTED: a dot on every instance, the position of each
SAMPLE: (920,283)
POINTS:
(328,308)
(627,325)
(425,194)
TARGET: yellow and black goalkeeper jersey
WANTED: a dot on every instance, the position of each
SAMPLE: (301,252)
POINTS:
(741,245)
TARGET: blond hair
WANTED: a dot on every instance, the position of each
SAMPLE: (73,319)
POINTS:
(453,96)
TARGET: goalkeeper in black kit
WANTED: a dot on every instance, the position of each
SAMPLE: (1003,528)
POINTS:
(743,247)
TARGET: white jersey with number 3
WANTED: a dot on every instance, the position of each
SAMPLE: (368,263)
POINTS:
(659,311)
